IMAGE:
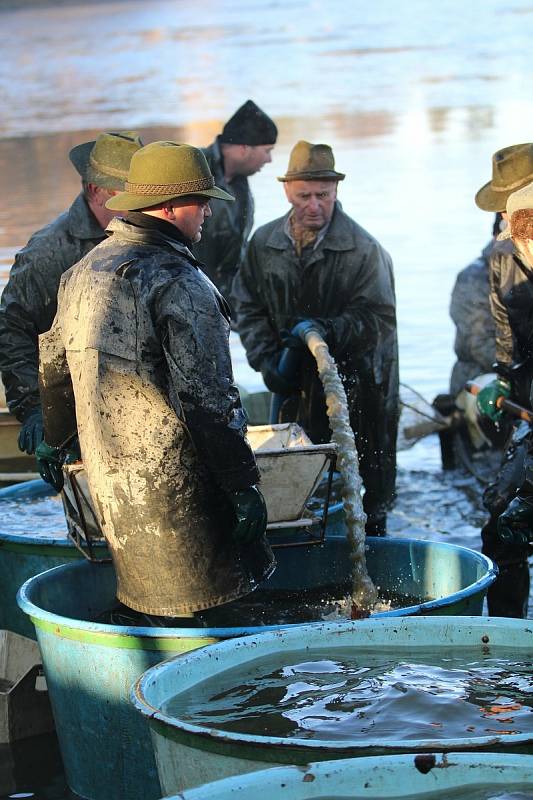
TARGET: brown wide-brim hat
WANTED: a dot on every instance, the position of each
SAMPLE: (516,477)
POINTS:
(106,161)
(311,162)
(512,168)
(162,171)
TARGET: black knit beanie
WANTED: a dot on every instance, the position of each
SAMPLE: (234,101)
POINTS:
(249,125)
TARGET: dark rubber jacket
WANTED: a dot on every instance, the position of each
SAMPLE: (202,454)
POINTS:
(29,299)
(347,283)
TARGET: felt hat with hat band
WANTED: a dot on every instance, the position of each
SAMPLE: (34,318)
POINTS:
(106,161)
(512,168)
(162,171)
(520,200)
(311,162)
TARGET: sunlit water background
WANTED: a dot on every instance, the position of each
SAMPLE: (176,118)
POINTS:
(414,98)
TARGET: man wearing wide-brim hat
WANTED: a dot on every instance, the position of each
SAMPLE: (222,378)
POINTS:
(511,299)
(28,303)
(139,346)
(315,268)
(241,150)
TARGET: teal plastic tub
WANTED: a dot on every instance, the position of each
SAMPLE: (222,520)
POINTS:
(23,555)
(90,666)
(458,775)
(190,755)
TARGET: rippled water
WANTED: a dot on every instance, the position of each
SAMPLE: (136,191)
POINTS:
(360,696)
(413,102)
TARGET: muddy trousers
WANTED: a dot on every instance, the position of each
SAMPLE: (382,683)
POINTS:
(508,595)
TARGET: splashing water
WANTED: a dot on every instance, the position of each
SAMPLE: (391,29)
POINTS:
(364,593)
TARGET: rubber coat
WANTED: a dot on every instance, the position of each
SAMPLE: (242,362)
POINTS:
(470,310)
(140,345)
(347,283)
(511,298)
(29,300)
(225,233)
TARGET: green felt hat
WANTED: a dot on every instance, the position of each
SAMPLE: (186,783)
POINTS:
(311,162)
(512,168)
(106,161)
(162,171)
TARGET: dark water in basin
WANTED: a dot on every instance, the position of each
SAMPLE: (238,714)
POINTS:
(343,695)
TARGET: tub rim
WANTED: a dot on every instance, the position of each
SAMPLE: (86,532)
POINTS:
(276,749)
(122,636)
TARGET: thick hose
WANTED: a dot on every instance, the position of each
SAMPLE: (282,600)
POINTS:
(364,593)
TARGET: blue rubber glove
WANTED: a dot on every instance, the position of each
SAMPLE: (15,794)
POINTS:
(515,525)
(296,338)
(275,381)
(50,462)
(251,515)
(32,431)
(486,400)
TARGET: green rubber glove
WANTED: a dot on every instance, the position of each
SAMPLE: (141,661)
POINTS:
(515,525)
(251,515)
(50,462)
(488,397)
(32,432)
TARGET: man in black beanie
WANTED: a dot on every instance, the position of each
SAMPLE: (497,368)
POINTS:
(244,146)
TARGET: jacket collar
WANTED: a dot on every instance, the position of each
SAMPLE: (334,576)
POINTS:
(135,235)
(339,235)
(82,223)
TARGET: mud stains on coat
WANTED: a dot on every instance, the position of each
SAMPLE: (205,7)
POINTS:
(142,335)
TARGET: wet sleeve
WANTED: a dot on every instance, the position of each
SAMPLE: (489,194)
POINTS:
(470,310)
(27,309)
(257,333)
(55,387)
(504,335)
(370,314)
(194,333)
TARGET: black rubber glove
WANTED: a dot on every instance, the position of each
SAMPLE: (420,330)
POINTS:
(50,464)
(515,525)
(32,431)
(251,515)
(275,381)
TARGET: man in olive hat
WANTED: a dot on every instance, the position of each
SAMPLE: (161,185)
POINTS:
(511,298)
(315,268)
(28,304)
(138,361)
(242,149)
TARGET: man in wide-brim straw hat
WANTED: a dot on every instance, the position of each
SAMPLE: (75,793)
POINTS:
(315,268)
(139,347)
(511,299)
(28,303)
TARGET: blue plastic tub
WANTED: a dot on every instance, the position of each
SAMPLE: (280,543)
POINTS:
(190,754)
(384,777)
(90,666)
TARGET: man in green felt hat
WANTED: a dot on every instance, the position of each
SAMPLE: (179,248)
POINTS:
(137,362)
(317,269)
(242,149)
(28,304)
(511,299)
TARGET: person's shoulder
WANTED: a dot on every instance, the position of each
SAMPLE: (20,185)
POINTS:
(344,226)
(263,233)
